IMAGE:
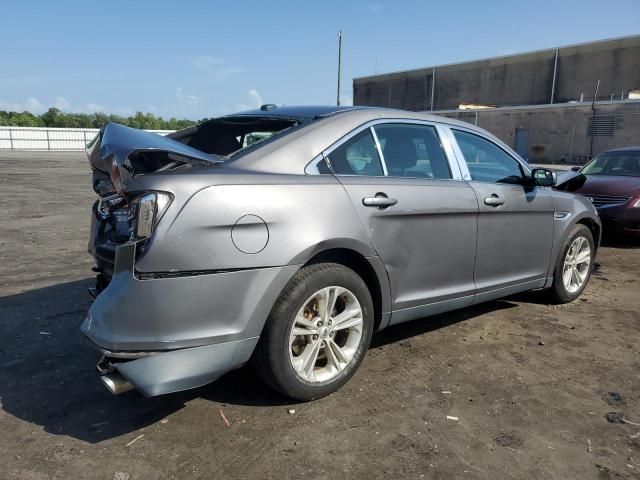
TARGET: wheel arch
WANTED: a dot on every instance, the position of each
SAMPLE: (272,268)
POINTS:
(595,229)
(370,269)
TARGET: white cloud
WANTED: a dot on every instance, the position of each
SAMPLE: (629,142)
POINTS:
(61,103)
(123,111)
(185,103)
(34,105)
(255,101)
(10,106)
(91,108)
(216,67)
(256,97)
(31,104)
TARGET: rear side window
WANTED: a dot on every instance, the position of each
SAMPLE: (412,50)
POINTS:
(486,161)
(357,156)
(412,151)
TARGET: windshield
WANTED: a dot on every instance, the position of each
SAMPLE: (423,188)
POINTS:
(622,164)
(227,135)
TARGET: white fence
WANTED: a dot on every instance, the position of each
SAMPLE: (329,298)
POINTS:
(50,139)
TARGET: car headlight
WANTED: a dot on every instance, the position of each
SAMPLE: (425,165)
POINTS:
(151,207)
(636,203)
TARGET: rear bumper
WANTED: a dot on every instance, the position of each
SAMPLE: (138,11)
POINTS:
(167,372)
(188,330)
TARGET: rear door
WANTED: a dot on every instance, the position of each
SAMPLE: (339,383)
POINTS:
(417,211)
(515,220)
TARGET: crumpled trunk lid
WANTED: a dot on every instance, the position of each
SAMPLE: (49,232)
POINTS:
(120,153)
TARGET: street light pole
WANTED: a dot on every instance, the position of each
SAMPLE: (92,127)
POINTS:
(339,65)
(593,119)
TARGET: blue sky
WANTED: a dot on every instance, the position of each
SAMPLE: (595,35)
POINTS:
(198,59)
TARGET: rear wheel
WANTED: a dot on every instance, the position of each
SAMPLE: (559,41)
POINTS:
(318,332)
(574,265)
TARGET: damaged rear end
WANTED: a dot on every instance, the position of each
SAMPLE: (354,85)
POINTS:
(155,329)
(123,220)
(117,155)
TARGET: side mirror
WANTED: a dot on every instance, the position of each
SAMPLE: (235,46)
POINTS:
(543,177)
(575,169)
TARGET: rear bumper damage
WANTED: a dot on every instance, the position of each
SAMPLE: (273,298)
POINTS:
(167,372)
(163,335)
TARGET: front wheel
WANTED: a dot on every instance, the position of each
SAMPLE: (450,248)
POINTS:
(574,265)
(318,332)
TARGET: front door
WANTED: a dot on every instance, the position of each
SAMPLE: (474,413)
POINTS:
(515,222)
(421,221)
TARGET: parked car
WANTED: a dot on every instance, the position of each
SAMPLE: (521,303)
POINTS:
(613,185)
(294,249)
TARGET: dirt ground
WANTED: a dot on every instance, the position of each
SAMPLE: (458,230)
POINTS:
(530,385)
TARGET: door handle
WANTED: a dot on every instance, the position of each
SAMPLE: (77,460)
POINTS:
(380,201)
(494,200)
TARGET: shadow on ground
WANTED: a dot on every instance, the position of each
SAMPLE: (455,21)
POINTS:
(620,241)
(47,374)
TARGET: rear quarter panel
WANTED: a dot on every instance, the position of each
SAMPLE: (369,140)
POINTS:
(302,215)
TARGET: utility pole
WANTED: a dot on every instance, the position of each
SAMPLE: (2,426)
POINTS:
(593,119)
(339,65)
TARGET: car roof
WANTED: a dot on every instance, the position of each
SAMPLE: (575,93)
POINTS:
(313,112)
(306,112)
(624,149)
(290,153)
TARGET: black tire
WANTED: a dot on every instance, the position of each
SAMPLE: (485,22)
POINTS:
(272,359)
(558,291)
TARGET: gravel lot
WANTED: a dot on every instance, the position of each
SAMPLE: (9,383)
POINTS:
(530,384)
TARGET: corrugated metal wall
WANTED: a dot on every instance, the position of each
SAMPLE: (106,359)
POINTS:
(521,79)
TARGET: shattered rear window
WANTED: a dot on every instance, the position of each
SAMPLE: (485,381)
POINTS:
(227,135)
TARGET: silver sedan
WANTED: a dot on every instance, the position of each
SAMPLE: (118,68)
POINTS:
(288,236)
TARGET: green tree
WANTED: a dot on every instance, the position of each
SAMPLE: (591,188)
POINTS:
(53,117)
(50,117)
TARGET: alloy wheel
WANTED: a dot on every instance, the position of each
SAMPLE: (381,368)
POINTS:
(575,270)
(325,335)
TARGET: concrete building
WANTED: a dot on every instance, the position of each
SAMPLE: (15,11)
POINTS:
(506,96)
(560,133)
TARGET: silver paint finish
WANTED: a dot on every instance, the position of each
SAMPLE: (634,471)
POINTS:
(187,368)
(250,234)
(300,217)
(514,238)
(408,236)
(172,313)
(245,227)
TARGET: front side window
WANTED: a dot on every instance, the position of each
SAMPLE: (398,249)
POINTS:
(412,151)
(486,161)
(357,156)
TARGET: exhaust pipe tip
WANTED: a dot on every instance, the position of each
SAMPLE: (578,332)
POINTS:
(116,383)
